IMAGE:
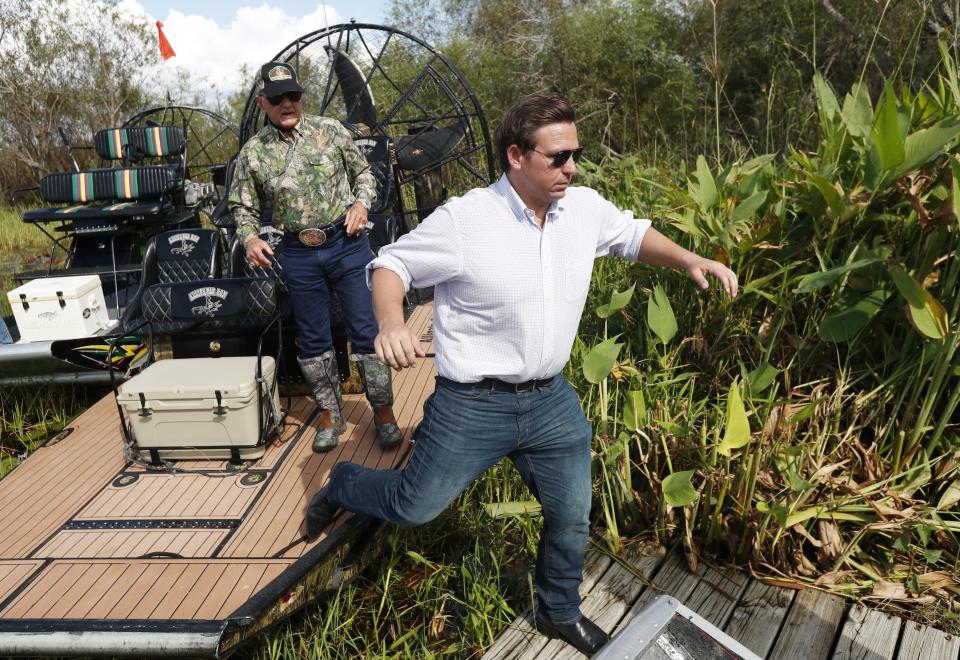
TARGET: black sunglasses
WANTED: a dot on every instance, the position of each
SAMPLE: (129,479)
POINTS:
(560,158)
(278,99)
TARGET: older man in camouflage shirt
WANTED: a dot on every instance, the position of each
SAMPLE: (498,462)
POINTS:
(305,174)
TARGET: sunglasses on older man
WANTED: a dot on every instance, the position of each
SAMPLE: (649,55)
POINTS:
(560,158)
(278,99)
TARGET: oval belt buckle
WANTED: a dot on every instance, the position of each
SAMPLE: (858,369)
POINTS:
(312,237)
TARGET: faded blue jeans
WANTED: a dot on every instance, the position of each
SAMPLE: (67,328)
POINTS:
(308,271)
(467,429)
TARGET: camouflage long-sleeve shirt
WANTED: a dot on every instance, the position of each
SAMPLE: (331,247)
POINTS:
(309,181)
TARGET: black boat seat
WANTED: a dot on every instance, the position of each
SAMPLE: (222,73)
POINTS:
(130,183)
(122,210)
(233,304)
(132,144)
(189,254)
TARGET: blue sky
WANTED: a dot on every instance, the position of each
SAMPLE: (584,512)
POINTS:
(223,11)
(213,41)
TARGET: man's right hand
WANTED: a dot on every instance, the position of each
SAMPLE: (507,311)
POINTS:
(398,346)
(258,252)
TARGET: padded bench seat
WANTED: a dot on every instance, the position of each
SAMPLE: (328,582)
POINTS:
(151,208)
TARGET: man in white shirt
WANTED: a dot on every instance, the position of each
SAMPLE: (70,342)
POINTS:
(511,265)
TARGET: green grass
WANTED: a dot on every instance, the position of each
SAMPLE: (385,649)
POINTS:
(21,245)
(29,416)
(441,590)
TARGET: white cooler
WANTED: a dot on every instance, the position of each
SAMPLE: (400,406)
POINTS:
(172,406)
(59,308)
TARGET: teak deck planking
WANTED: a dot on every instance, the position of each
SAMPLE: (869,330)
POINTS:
(84,517)
(773,622)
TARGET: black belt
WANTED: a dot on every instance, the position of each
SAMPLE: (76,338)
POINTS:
(504,386)
(315,236)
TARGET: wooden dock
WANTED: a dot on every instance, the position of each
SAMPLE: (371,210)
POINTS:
(773,622)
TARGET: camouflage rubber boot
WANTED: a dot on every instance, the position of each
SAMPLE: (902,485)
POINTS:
(379,387)
(324,379)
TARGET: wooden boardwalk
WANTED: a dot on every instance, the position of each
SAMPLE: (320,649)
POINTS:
(773,622)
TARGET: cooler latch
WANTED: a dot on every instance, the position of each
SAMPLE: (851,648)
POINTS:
(144,411)
(219,410)
(23,301)
(63,303)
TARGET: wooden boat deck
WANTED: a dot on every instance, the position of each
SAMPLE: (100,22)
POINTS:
(773,622)
(89,535)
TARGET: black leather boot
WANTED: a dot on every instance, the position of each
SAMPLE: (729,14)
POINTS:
(583,635)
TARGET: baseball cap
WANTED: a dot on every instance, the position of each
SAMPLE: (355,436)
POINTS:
(278,78)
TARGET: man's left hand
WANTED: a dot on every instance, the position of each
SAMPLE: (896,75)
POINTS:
(699,268)
(356,219)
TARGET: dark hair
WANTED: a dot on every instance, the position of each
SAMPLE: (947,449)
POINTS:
(523,119)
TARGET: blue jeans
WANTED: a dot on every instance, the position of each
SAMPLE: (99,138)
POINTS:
(308,271)
(5,337)
(467,429)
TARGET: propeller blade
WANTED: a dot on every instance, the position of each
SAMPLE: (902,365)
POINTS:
(418,151)
(357,96)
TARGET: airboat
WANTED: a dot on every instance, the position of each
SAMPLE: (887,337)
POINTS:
(167,519)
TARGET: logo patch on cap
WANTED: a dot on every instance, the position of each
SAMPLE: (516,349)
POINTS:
(279,73)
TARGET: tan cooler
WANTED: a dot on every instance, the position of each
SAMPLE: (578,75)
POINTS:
(173,407)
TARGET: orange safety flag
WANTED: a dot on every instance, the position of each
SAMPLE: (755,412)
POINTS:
(166,50)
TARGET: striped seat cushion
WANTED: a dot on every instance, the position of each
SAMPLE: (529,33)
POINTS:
(112,143)
(106,184)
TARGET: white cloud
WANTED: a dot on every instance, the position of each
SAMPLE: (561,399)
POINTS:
(212,55)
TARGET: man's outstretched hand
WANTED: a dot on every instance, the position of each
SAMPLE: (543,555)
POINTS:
(397,346)
(699,268)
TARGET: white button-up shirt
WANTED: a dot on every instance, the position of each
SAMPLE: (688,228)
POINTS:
(509,294)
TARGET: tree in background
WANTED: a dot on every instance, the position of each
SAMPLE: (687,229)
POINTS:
(63,64)
(677,78)
(761,57)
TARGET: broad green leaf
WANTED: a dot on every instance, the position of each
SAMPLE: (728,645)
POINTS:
(813,281)
(932,556)
(600,360)
(748,207)
(678,490)
(826,99)
(761,377)
(908,287)
(512,509)
(950,496)
(926,144)
(886,132)
(927,315)
(796,483)
(634,410)
(777,511)
(737,432)
(706,194)
(844,321)
(857,112)
(660,317)
(830,193)
(925,532)
(617,302)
